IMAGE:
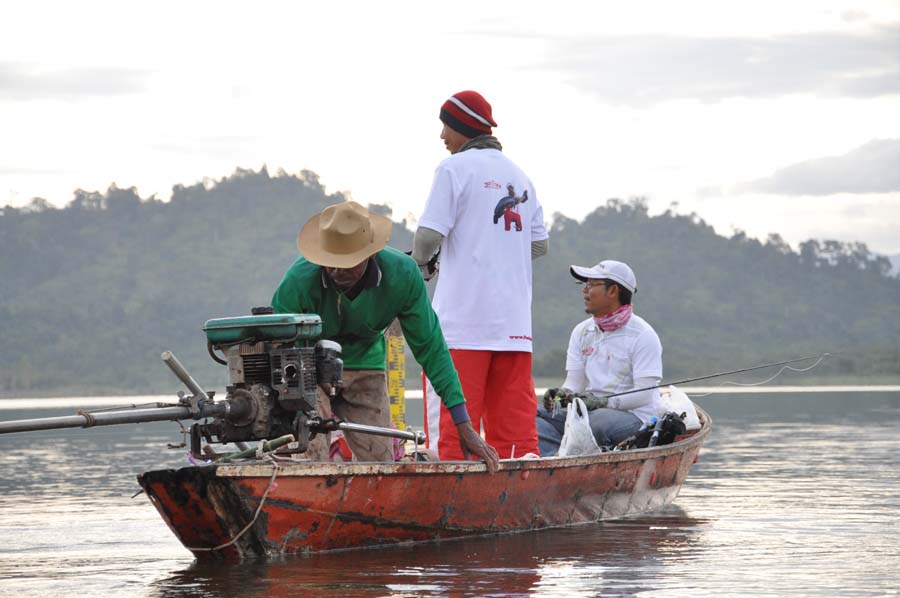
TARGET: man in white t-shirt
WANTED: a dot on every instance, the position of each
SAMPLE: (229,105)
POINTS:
(613,351)
(484,218)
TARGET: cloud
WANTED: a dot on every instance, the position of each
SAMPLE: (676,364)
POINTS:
(221,146)
(895,263)
(20,81)
(24,170)
(710,192)
(871,168)
(641,70)
(852,16)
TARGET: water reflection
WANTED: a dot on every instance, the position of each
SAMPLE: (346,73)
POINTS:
(793,495)
(624,557)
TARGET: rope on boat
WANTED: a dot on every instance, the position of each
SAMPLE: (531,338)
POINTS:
(767,380)
(252,521)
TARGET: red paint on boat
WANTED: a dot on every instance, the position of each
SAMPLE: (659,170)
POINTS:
(330,506)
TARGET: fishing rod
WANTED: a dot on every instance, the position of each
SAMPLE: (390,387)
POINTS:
(758,367)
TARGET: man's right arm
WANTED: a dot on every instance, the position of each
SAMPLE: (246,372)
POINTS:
(576,378)
(426,244)
(286,299)
(296,293)
(441,206)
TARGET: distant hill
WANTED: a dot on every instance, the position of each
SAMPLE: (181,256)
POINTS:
(723,303)
(92,293)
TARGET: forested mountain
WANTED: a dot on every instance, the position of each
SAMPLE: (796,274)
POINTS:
(91,294)
(723,303)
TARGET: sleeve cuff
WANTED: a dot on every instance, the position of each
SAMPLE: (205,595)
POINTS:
(460,414)
(444,230)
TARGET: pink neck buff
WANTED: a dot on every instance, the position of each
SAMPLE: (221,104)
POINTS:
(615,320)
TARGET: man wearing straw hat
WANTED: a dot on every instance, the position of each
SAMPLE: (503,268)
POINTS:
(358,285)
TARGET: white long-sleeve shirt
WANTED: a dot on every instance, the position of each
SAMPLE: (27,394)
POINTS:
(605,363)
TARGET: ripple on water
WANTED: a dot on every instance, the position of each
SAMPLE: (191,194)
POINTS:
(781,503)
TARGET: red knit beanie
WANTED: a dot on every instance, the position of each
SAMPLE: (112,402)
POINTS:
(467,112)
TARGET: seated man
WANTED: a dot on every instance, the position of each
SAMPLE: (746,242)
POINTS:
(613,351)
(348,276)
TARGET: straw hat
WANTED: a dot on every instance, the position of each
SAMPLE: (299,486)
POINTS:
(343,235)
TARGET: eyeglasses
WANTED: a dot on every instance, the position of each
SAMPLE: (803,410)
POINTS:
(590,284)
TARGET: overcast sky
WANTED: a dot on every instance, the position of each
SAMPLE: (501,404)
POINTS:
(761,116)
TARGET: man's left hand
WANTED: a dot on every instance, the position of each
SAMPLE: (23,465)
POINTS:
(564,397)
(592,401)
(472,443)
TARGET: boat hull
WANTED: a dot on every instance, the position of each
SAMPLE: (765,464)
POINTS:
(241,511)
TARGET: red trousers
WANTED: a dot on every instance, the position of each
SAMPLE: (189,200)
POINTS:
(499,394)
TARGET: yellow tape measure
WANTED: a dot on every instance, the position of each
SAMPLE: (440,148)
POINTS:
(396,375)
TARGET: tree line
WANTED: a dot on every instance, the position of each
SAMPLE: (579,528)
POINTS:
(92,293)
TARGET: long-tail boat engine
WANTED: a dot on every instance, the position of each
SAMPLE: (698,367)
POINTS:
(273,380)
(275,366)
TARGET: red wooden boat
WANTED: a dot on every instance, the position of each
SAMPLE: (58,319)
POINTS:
(258,509)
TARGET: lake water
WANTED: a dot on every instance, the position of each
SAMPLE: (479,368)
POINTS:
(795,494)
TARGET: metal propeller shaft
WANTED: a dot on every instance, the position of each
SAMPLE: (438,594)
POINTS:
(108,418)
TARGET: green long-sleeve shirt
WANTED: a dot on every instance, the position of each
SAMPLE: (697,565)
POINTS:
(359,324)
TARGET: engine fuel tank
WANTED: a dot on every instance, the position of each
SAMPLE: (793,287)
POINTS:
(284,328)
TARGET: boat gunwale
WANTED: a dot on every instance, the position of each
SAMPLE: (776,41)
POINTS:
(401,468)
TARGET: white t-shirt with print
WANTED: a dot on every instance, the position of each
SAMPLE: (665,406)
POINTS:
(489,214)
(612,361)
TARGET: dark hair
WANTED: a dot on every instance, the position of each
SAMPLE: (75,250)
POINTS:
(459,126)
(624,294)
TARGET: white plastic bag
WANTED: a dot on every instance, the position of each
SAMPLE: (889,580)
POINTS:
(675,399)
(578,438)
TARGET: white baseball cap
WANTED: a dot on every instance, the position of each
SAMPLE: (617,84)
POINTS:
(608,269)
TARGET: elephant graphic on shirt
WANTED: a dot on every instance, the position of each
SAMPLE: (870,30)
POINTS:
(506,207)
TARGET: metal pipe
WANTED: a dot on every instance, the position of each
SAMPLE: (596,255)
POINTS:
(108,418)
(417,437)
(182,374)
